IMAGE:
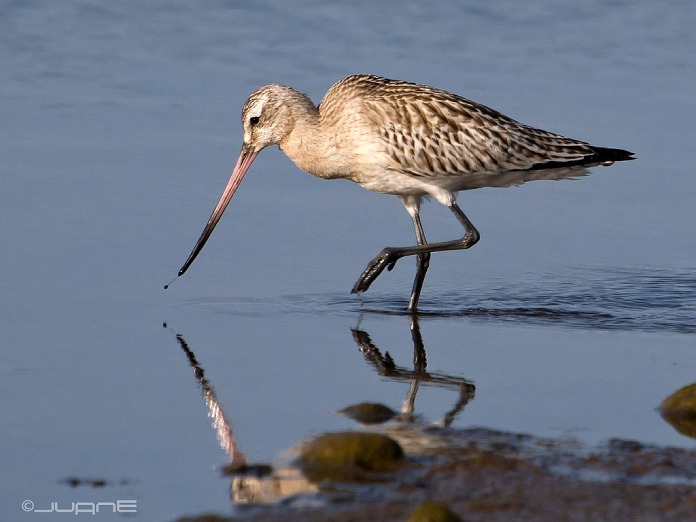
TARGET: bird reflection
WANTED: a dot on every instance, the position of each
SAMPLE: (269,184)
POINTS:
(386,367)
(251,483)
(262,483)
(221,424)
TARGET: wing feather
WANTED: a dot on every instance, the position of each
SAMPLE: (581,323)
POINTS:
(429,132)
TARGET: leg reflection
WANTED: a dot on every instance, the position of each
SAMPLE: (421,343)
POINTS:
(385,366)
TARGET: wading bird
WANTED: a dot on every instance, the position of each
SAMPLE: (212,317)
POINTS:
(408,140)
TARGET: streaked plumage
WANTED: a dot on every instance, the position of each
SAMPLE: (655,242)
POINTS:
(408,140)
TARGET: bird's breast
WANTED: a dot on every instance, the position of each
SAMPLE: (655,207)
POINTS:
(317,159)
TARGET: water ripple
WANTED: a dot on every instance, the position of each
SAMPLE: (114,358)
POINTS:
(645,300)
(632,300)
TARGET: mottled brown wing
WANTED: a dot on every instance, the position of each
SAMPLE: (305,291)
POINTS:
(430,132)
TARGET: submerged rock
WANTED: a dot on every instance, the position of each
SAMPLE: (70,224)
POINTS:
(368,412)
(430,511)
(679,410)
(349,457)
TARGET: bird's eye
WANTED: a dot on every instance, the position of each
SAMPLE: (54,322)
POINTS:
(254,120)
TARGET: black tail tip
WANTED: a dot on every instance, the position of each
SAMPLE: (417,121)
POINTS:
(610,155)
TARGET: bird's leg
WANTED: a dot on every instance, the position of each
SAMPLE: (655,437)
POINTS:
(472,235)
(422,263)
(388,257)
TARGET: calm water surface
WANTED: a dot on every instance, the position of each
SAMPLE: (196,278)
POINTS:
(574,316)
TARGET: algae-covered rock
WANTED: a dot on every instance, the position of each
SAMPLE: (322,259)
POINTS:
(430,511)
(349,456)
(368,412)
(206,517)
(679,410)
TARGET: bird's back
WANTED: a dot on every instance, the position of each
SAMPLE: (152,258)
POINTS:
(430,133)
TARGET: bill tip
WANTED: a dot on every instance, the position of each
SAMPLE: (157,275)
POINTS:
(166,287)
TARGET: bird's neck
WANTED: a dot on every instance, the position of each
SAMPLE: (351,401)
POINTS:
(311,146)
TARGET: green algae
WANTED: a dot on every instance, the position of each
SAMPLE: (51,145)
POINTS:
(430,511)
(368,412)
(679,410)
(349,457)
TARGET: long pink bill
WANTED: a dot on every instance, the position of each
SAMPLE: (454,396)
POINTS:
(246,158)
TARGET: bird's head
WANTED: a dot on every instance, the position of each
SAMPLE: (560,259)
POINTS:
(268,117)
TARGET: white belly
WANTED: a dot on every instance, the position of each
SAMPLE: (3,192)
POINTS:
(399,184)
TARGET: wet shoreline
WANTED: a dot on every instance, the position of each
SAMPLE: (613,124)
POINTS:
(489,475)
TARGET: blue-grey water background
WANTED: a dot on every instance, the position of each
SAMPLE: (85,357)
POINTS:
(119,123)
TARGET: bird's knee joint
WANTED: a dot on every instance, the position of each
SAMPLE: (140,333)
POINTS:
(471,238)
(475,237)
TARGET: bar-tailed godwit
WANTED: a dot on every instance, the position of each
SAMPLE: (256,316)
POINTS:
(408,140)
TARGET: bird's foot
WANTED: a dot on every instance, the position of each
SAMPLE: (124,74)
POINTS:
(387,258)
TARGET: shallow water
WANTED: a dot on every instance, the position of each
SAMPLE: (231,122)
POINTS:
(573,317)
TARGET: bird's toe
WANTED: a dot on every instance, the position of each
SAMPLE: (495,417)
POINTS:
(385,259)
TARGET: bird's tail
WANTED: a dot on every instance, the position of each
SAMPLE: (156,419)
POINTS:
(606,155)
